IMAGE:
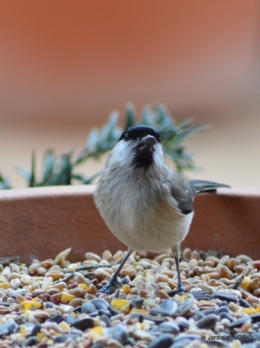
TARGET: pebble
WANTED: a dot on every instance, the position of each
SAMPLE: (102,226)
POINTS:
(183,323)
(57,318)
(84,324)
(71,319)
(31,341)
(222,309)
(183,342)
(244,303)
(88,308)
(207,322)
(120,333)
(184,307)
(169,306)
(137,302)
(163,341)
(198,315)
(159,311)
(255,318)
(225,296)
(106,320)
(239,322)
(99,303)
(228,316)
(54,302)
(7,328)
(169,327)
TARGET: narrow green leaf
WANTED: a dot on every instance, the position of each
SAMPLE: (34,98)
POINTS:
(65,169)
(4,183)
(91,143)
(148,117)
(107,129)
(48,165)
(33,174)
(163,117)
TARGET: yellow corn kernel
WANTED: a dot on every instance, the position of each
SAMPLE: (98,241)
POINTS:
(249,311)
(84,286)
(30,287)
(39,335)
(34,305)
(23,330)
(4,285)
(121,305)
(96,333)
(30,305)
(202,302)
(64,326)
(66,297)
(144,326)
(182,298)
(245,282)
(126,289)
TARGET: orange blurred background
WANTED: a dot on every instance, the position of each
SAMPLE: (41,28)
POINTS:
(65,65)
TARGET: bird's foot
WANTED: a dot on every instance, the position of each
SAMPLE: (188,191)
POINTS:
(113,284)
(180,289)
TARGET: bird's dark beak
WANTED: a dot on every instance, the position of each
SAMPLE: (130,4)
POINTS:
(149,140)
(146,143)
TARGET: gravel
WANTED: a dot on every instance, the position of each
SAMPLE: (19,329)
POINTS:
(56,303)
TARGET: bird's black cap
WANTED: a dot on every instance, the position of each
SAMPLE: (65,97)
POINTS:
(138,132)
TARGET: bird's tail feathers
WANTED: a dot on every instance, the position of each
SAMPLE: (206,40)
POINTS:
(206,186)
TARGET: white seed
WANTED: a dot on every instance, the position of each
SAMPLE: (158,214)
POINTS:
(15,283)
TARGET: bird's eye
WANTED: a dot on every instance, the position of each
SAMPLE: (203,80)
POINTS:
(126,136)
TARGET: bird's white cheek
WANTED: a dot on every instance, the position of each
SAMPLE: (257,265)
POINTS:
(158,155)
(121,154)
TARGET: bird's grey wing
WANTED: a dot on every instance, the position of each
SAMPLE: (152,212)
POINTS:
(183,192)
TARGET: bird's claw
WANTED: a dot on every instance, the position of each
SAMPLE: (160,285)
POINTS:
(109,288)
(180,290)
(112,285)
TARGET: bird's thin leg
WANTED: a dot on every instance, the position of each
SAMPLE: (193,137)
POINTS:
(176,253)
(114,283)
(180,287)
(198,295)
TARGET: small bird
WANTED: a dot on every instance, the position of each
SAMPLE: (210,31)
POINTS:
(145,204)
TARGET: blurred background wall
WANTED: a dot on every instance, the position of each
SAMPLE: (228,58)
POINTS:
(65,65)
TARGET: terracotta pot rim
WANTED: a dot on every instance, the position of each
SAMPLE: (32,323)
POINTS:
(31,192)
(40,222)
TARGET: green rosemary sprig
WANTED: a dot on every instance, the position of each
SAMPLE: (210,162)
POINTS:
(60,169)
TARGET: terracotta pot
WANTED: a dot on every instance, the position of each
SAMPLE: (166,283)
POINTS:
(41,222)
